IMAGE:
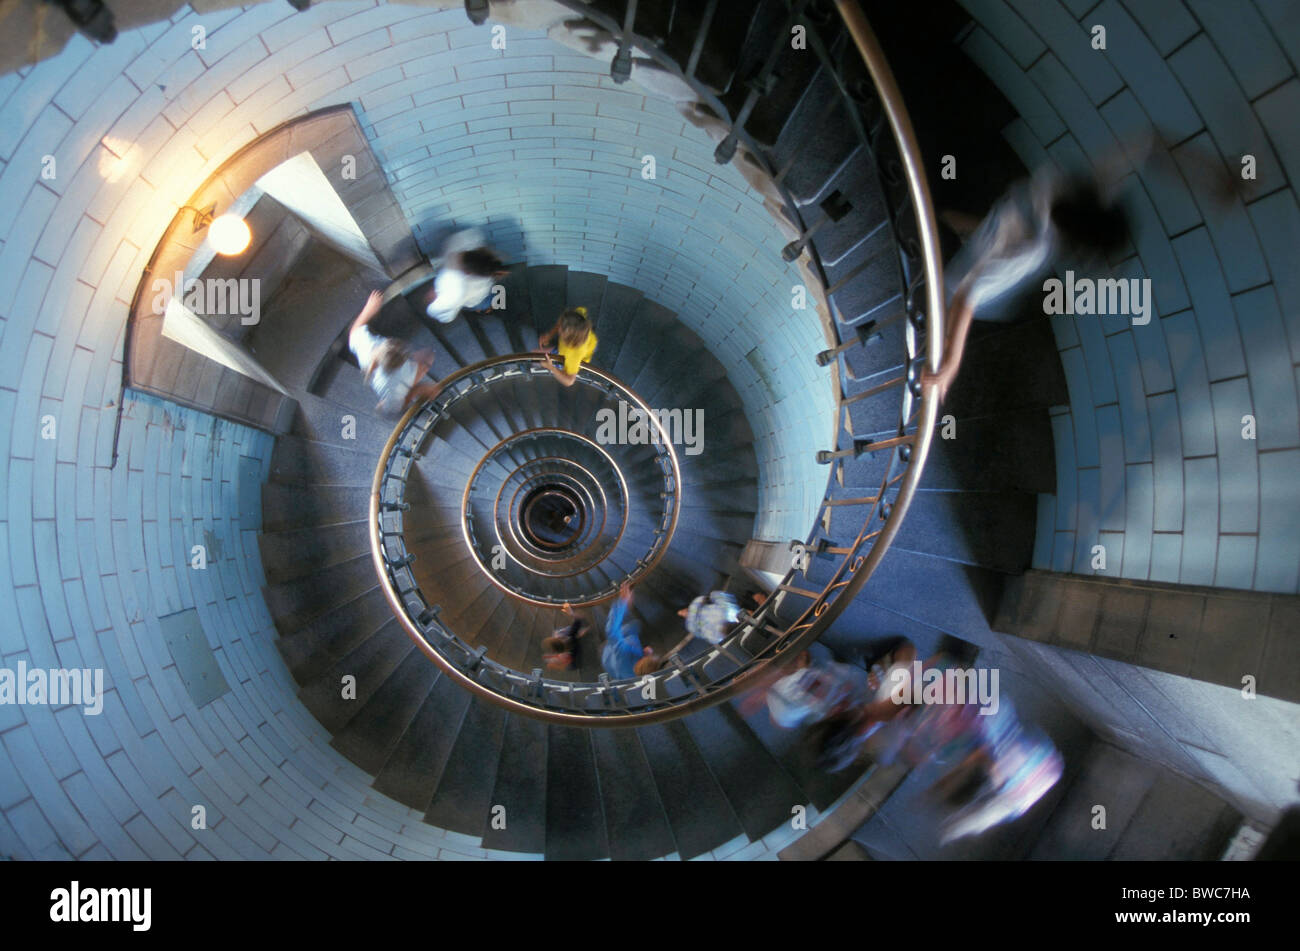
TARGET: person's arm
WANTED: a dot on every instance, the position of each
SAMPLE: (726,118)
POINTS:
(615,620)
(423,361)
(373,303)
(580,622)
(545,340)
(566,379)
(960,314)
(421,391)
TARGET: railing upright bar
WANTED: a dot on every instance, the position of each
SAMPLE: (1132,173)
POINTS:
(917,184)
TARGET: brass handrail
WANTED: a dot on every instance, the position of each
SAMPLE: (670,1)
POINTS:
(540,554)
(763,638)
(382,566)
(522,596)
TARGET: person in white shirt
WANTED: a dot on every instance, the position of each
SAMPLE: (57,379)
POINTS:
(392,369)
(469,270)
(711,616)
(1056,218)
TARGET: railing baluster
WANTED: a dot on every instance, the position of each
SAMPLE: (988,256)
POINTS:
(620,69)
(873,391)
(759,86)
(864,500)
(698,46)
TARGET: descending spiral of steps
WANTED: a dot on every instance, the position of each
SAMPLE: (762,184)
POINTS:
(561,512)
(709,781)
(714,779)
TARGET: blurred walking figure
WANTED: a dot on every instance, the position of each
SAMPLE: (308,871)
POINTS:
(392,369)
(877,725)
(560,651)
(1054,220)
(469,269)
(809,694)
(1010,767)
(710,616)
(575,342)
(1054,217)
(623,657)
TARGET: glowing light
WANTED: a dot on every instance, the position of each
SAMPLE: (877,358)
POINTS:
(116,158)
(229,235)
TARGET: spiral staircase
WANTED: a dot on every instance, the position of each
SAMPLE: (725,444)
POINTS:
(685,787)
(413,569)
(413,566)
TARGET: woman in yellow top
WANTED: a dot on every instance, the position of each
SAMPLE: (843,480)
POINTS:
(576,344)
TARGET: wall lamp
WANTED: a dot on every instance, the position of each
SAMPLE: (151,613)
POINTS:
(228,234)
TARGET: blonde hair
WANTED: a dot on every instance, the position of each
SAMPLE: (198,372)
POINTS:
(389,355)
(647,665)
(574,326)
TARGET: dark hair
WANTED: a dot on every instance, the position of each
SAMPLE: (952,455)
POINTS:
(480,262)
(1088,223)
(555,645)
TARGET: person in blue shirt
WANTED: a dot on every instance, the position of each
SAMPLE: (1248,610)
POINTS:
(623,656)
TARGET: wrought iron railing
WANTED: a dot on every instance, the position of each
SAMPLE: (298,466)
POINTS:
(574,572)
(416,431)
(773,633)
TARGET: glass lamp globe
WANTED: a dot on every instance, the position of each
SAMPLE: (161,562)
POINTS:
(229,234)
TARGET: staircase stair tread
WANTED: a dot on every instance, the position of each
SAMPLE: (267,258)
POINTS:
(376,729)
(575,826)
(305,462)
(757,786)
(286,507)
(311,649)
(294,603)
(520,788)
(697,809)
(463,796)
(635,824)
(370,663)
(296,552)
(415,765)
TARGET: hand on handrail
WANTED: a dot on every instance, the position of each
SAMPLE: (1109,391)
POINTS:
(954,345)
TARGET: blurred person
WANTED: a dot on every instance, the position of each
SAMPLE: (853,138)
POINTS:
(561,651)
(875,726)
(391,368)
(574,341)
(710,616)
(464,282)
(890,725)
(808,694)
(1012,767)
(623,657)
(1054,219)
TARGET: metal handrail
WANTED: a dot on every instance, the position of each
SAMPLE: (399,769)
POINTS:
(408,437)
(471,538)
(544,556)
(762,639)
